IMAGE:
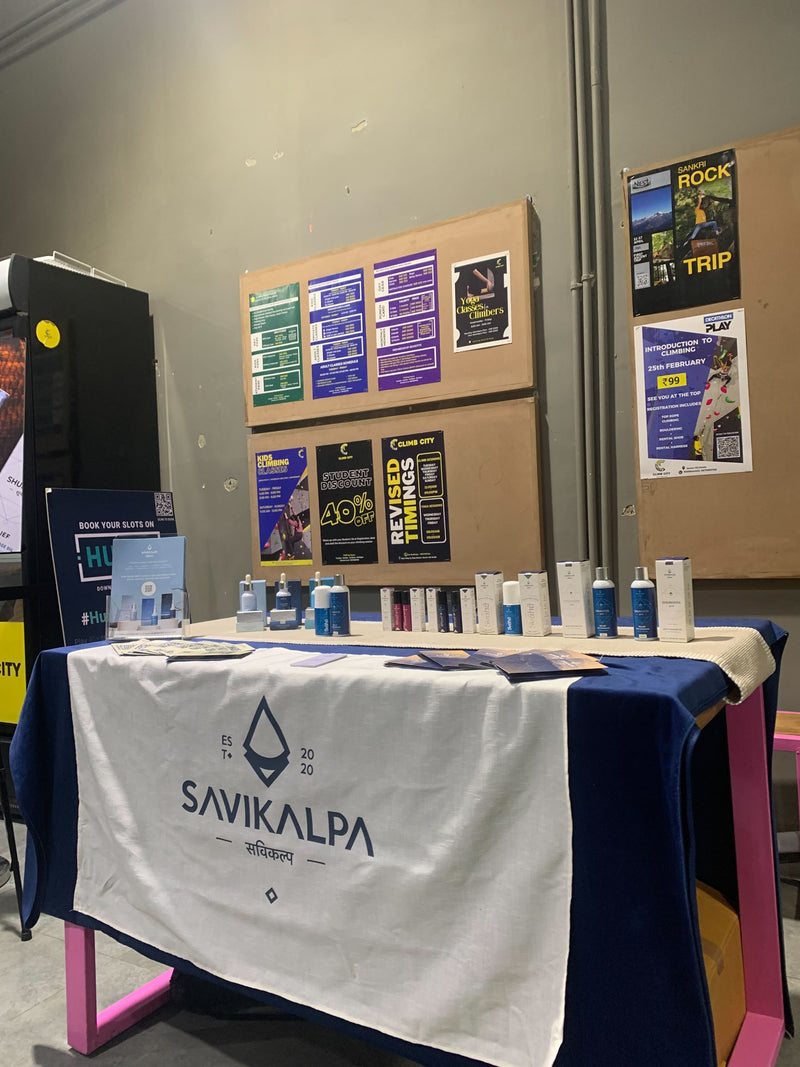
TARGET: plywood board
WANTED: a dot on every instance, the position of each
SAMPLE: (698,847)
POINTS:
(468,372)
(493,497)
(745,525)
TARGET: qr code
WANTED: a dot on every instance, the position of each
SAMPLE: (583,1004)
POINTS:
(729,447)
(164,508)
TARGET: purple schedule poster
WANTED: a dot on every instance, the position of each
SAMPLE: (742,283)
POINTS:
(338,334)
(407,321)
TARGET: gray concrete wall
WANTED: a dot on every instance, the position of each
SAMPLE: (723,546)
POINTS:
(178,143)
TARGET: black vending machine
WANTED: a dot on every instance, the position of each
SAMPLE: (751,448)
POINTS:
(77,410)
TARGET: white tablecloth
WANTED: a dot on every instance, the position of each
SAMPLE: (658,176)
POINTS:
(389,846)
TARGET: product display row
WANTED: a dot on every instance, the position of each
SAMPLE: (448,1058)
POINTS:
(491,606)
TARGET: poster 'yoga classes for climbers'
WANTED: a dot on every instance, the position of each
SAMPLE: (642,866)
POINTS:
(284,524)
(482,302)
(692,401)
(684,234)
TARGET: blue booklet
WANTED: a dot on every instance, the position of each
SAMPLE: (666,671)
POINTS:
(147,586)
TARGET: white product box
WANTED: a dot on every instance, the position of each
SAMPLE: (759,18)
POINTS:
(575,597)
(386,606)
(417,607)
(489,602)
(469,609)
(430,602)
(534,599)
(675,599)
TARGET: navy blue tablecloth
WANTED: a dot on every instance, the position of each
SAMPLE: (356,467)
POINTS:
(650,797)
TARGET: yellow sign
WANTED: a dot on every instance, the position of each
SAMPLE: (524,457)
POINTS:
(670,381)
(12,670)
(48,333)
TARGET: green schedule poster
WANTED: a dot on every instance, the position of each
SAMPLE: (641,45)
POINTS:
(275,346)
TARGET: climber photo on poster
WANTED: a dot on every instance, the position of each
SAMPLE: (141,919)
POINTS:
(415,491)
(482,302)
(284,521)
(684,234)
(693,412)
(346,492)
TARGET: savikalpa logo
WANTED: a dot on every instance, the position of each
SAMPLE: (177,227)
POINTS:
(267,752)
(265,747)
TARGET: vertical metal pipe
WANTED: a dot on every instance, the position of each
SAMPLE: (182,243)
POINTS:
(576,297)
(604,368)
(587,273)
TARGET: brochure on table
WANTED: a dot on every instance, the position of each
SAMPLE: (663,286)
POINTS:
(147,587)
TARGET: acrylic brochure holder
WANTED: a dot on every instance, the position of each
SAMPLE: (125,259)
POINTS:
(131,619)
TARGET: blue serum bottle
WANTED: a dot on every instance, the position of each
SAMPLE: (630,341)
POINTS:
(322,610)
(643,602)
(340,607)
(604,601)
(512,610)
(283,598)
(247,599)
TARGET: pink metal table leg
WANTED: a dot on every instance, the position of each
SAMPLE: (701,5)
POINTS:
(760,1038)
(86,1029)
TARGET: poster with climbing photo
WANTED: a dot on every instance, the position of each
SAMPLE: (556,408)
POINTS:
(693,412)
(684,244)
(284,521)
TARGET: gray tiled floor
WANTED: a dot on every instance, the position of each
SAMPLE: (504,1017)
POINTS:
(33,1024)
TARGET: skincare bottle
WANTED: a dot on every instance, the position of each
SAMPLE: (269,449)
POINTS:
(512,611)
(312,585)
(442,620)
(397,609)
(247,601)
(643,602)
(322,610)
(454,610)
(604,601)
(387,607)
(405,602)
(340,607)
(283,598)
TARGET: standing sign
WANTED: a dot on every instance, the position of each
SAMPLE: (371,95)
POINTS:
(346,489)
(83,524)
(407,321)
(692,397)
(275,347)
(415,490)
(338,334)
(284,523)
(12,415)
(482,302)
(684,234)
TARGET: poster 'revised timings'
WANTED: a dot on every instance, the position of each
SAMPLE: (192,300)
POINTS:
(415,491)
(346,488)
